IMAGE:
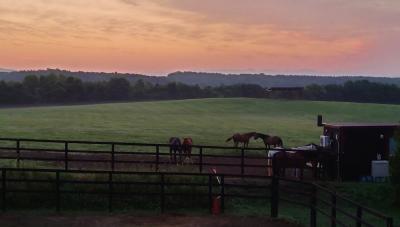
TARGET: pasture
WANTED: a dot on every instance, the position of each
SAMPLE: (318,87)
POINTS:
(207,121)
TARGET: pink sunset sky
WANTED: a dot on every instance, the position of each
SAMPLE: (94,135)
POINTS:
(329,37)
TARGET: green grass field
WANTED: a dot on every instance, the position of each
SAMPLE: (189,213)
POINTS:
(207,121)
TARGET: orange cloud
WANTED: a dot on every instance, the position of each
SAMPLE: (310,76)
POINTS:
(159,36)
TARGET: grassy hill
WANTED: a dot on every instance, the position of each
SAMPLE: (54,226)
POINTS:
(208,121)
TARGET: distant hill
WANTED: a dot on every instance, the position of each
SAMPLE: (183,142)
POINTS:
(217,79)
(204,79)
(6,70)
(84,76)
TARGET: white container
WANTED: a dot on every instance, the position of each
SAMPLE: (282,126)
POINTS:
(380,168)
(324,141)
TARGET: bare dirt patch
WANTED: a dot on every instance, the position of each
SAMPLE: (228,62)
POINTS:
(96,220)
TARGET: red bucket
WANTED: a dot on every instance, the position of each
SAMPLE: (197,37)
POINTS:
(216,205)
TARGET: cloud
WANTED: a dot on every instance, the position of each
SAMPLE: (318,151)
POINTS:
(169,34)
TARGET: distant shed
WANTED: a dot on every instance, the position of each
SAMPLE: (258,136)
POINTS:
(357,144)
(285,92)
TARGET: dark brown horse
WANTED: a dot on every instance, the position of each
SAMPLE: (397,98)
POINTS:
(187,147)
(241,138)
(284,159)
(269,141)
(297,159)
(175,146)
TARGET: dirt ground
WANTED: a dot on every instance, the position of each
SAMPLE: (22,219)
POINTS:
(165,165)
(93,220)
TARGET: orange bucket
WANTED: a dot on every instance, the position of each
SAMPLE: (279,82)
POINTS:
(216,205)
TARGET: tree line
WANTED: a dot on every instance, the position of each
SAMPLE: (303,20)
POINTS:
(355,91)
(351,91)
(58,89)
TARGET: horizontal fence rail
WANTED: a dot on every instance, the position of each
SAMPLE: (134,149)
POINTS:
(266,188)
(111,157)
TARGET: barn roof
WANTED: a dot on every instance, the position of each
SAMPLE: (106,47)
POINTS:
(357,125)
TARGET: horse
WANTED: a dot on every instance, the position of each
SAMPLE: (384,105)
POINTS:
(288,159)
(187,147)
(269,141)
(175,146)
(241,138)
(297,158)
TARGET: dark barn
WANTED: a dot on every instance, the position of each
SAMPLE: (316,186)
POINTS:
(357,145)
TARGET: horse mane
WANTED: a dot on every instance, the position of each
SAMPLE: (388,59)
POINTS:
(262,136)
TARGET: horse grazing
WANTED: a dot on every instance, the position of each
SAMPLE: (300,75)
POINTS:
(187,147)
(269,141)
(241,138)
(175,146)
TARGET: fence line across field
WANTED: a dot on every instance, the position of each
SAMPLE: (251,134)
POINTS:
(275,187)
(113,152)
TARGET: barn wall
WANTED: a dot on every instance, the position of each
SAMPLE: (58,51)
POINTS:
(358,146)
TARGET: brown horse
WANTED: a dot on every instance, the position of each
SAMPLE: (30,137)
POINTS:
(269,141)
(241,138)
(284,159)
(296,159)
(187,147)
(175,146)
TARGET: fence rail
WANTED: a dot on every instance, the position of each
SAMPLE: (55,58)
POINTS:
(269,188)
(67,155)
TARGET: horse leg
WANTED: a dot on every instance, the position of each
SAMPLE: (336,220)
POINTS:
(315,170)
(180,157)
(301,173)
(175,156)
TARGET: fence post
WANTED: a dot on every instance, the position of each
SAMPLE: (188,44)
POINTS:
(201,160)
(389,222)
(274,196)
(222,193)
(112,156)
(242,162)
(313,204)
(58,191)
(359,216)
(157,156)
(210,193)
(162,185)
(110,191)
(3,189)
(66,155)
(333,210)
(18,153)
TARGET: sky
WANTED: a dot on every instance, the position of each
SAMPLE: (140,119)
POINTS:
(157,37)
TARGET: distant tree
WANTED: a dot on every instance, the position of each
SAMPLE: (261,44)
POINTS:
(118,89)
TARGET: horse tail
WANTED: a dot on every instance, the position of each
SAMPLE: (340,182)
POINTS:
(229,139)
(280,142)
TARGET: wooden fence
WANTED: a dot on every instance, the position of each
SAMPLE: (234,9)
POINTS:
(269,188)
(309,197)
(154,157)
